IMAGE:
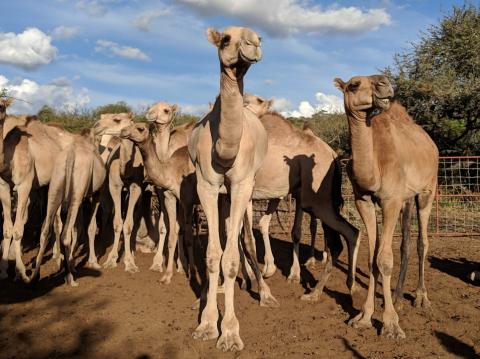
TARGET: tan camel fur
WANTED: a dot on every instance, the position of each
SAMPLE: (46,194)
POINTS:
(393,160)
(29,153)
(300,163)
(227,148)
(79,173)
(176,175)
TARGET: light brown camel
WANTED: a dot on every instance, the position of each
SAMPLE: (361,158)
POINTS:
(300,163)
(167,142)
(79,174)
(227,148)
(176,176)
(29,154)
(393,160)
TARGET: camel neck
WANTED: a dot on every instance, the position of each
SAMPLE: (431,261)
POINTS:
(365,170)
(162,140)
(2,160)
(230,128)
(156,169)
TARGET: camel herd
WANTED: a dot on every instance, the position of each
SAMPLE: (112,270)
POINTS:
(239,152)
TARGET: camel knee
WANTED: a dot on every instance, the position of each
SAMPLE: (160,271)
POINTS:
(117,225)
(213,259)
(385,263)
(127,229)
(230,267)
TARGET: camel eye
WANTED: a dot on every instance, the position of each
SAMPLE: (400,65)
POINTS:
(117,120)
(225,41)
(354,86)
(140,129)
(165,111)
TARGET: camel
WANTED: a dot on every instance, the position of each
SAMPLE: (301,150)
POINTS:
(176,175)
(79,173)
(29,154)
(227,147)
(300,163)
(393,161)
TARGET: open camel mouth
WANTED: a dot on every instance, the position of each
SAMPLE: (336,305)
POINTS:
(383,103)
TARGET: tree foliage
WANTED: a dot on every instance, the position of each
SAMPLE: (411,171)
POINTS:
(438,80)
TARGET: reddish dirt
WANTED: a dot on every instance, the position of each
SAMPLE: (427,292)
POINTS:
(113,314)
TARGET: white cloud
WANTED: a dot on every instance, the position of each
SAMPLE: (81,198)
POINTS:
(325,103)
(123,51)
(281,104)
(64,32)
(28,50)
(198,110)
(92,7)
(58,94)
(144,21)
(285,17)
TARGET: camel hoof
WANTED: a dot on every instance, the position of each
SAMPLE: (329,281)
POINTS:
(70,281)
(393,331)
(93,265)
(269,270)
(422,302)
(130,267)
(311,263)
(243,285)
(157,267)
(180,270)
(167,278)
(293,278)
(268,301)
(360,322)
(206,331)
(230,341)
(311,297)
(196,304)
(110,263)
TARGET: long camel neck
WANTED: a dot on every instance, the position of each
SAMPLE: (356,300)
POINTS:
(155,168)
(230,128)
(3,116)
(364,165)
(162,141)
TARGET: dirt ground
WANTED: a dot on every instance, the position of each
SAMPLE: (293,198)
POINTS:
(113,314)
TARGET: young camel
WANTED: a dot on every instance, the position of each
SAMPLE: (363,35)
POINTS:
(176,175)
(393,160)
(227,148)
(79,173)
(29,154)
(300,163)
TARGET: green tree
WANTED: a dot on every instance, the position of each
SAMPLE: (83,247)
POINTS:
(438,80)
(118,107)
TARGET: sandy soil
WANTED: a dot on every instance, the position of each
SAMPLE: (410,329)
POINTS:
(113,314)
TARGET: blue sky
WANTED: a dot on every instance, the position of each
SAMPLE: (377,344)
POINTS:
(85,53)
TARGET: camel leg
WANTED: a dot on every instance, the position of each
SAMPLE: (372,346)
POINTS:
(6,199)
(157,265)
(188,236)
(116,193)
(269,268)
(366,209)
(230,328)
(391,210)
(250,254)
(208,195)
(310,263)
(266,297)
(424,207)
(67,240)
(135,191)
(405,248)
(181,257)
(294,276)
(171,209)
(57,229)
(92,231)
(23,192)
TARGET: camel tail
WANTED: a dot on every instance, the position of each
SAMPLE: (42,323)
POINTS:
(69,175)
(338,201)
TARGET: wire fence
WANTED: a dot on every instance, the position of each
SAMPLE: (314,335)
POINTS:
(456,210)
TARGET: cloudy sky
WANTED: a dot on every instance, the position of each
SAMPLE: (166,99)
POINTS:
(84,53)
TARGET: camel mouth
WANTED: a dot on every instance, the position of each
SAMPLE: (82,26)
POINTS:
(250,59)
(382,103)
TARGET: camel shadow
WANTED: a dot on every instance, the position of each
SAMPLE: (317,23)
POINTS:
(456,346)
(456,267)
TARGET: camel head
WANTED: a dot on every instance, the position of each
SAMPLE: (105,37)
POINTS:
(161,113)
(112,123)
(4,103)
(364,93)
(137,132)
(238,48)
(259,106)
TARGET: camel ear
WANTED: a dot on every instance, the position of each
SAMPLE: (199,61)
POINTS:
(130,115)
(269,104)
(214,36)
(174,109)
(340,84)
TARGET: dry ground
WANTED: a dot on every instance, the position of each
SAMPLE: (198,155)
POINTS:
(113,314)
